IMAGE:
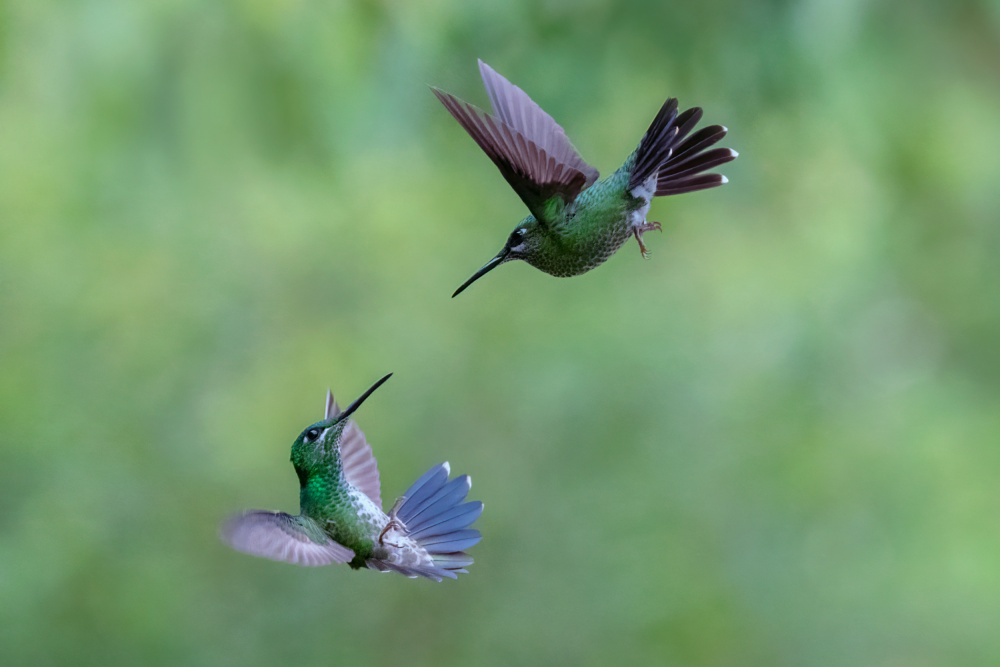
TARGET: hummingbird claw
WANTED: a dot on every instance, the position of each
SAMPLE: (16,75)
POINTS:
(642,246)
(638,231)
(394,523)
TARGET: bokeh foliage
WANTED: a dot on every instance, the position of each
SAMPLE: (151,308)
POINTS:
(776,442)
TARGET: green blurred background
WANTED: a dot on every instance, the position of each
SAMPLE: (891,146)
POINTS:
(776,442)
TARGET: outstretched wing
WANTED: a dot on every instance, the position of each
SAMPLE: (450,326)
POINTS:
(359,463)
(527,145)
(280,536)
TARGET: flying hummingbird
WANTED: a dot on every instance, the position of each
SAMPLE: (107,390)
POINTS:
(574,224)
(341,520)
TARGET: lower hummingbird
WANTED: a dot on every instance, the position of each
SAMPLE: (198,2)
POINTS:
(341,520)
(575,224)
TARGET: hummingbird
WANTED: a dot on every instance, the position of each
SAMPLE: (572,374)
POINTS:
(574,224)
(340,520)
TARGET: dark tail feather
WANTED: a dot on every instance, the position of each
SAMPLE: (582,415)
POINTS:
(687,120)
(436,517)
(691,184)
(676,159)
(679,168)
(656,144)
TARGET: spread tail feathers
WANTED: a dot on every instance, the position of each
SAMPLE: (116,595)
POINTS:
(433,514)
(675,159)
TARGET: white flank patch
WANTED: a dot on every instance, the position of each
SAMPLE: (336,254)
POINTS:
(637,218)
(644,191)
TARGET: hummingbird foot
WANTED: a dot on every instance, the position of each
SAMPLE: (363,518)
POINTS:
(395,524)
(638,231)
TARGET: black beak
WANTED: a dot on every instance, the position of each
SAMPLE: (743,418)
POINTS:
(356,404)
(489,266)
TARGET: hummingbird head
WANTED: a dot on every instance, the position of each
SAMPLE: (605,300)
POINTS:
(318,441)
(522,243)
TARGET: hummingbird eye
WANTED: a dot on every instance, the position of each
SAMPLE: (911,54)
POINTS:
(312,434)
(516,238)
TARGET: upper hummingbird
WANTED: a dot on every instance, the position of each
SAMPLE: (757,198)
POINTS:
(341,519)
(574,224)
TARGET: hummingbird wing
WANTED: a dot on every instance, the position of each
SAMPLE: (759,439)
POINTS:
(527,145)
(513,106)
(279,536)
(360,467)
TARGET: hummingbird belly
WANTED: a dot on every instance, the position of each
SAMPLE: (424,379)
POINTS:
(358,528)
(589,248)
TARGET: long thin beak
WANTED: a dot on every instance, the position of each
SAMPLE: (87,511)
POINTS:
(489,266)
(356,404)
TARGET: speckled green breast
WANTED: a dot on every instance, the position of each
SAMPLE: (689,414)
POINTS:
(594,230)
(582,253)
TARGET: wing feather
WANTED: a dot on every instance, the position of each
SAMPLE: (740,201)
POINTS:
(283,537)
(515,108)
(529,148)
(360,466)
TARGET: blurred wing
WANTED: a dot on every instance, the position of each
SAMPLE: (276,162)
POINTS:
(527,145)
(360,466)
(282,537)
